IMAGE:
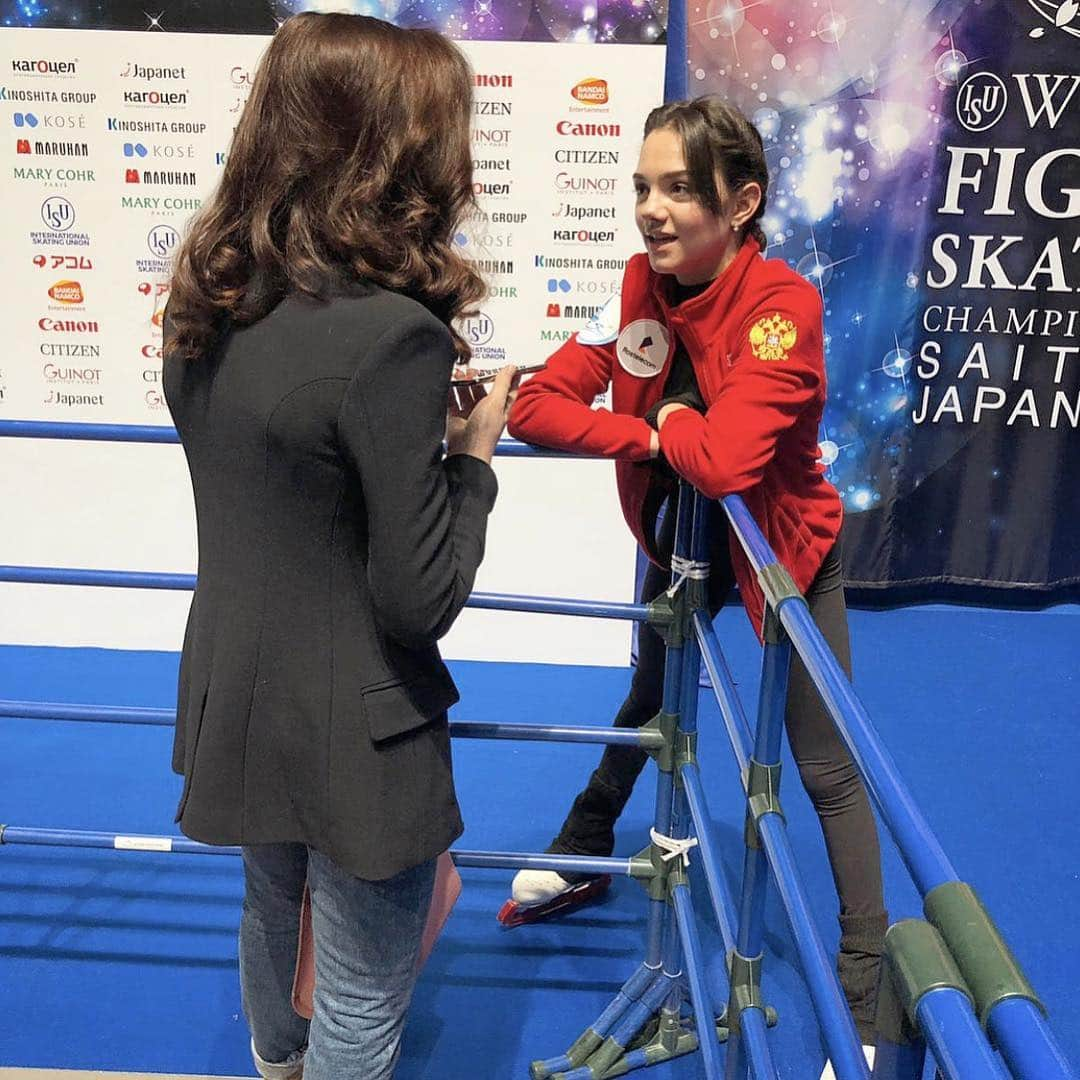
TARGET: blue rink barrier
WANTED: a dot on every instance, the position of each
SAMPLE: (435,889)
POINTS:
(980,1019)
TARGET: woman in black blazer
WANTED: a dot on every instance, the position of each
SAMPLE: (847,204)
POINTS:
(308,355)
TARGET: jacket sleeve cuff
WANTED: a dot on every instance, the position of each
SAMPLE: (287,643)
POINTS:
(681,425)
(464,470)
(640,448)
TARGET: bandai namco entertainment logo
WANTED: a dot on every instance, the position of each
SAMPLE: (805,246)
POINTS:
(67,292)
(591,92)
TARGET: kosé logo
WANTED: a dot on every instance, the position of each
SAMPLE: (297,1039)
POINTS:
(57,213)
(591,92)
(981,101)
(162,241)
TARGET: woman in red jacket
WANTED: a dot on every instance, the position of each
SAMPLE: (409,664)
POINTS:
(715,360)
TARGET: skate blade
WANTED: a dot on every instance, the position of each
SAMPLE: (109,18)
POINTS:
(513,914)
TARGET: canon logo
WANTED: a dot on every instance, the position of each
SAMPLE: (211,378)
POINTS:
(603,131)
(68,326)
(493,80)
(151,352)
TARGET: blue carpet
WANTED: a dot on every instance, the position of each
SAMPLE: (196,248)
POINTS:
(128,962)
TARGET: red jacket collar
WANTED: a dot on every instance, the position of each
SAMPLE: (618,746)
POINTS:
(710,308)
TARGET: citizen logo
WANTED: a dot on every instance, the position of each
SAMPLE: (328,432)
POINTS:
(76,352)
(587,157)
(592,131)
(492,108)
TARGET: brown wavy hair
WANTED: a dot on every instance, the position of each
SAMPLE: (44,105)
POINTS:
(351,162)
(716,137)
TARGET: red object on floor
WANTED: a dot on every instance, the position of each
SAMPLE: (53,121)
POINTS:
(513,914)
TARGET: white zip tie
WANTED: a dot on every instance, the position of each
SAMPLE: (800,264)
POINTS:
(673,848)
(688,570)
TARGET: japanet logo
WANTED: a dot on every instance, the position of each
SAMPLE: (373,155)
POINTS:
(591,92)
(67,292)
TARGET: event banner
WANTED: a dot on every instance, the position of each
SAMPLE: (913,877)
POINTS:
(114,139)
(925,177)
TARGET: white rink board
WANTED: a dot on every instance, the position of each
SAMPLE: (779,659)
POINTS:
(557,529)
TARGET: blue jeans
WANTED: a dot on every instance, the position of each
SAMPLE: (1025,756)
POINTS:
(367,937)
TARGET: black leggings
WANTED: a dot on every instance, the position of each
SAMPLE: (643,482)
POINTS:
(825,767)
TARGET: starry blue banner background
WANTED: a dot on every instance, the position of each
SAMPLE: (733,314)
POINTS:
(863,107)
(626,22)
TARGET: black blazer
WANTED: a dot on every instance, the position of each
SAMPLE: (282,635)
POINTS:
(336,545)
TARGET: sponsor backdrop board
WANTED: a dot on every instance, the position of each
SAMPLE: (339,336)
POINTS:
(114,139)
(924,161)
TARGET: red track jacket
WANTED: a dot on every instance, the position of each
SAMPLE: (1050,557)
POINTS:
(754,337)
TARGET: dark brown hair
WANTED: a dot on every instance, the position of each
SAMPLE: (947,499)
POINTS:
(716,138)
(351,162)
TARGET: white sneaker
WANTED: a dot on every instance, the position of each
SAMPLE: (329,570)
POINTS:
(868,1053)
(533,887)
(292,1068)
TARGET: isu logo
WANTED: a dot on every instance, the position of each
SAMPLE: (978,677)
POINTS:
(591,92)
(67,292)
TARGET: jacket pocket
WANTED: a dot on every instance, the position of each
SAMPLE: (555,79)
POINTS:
(398,707)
